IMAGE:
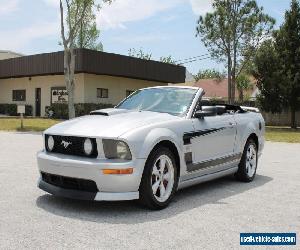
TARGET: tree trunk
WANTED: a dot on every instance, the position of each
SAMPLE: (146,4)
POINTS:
(81,35)
(241,95)
(293,117)
(233,87)
(229,89)
(233,83)
(69,71)
(229,80)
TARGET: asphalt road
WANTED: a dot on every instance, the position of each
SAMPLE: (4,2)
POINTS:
(207,216)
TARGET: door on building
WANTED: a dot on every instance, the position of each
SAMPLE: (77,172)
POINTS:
(38,102)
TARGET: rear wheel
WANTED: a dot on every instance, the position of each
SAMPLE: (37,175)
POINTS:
(248,164)
(159,181)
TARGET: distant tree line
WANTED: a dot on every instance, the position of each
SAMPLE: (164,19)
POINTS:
(148,56)
(243,81)
(209,74)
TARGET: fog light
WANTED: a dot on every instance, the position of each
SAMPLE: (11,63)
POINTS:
(118,171)
(50,143)
(88,147)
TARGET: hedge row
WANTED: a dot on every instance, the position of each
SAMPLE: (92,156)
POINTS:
(60,111)
(11,109)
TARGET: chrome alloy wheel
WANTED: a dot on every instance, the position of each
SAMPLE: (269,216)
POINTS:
(251,160)
(162,179)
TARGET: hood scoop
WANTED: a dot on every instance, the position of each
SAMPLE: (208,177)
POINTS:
(109,112)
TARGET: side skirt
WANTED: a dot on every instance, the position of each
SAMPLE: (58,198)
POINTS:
(207,177)
(191,167)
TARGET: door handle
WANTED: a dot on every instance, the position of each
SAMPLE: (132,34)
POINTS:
(231,124)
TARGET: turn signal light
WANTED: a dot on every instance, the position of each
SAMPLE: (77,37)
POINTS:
(118,171)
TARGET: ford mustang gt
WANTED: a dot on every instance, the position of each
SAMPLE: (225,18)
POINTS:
(155,142)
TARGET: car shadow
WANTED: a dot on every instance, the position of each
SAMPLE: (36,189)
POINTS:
(129,212)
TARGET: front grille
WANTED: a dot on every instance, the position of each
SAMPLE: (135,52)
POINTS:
(74,147)
(70,183)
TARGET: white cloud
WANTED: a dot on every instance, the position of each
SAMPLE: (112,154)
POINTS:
(121,12)
(201,7)
(7,7)
(19,39)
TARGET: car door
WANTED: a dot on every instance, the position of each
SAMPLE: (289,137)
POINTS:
(211,143)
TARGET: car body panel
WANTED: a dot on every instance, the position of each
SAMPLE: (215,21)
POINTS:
(101,126)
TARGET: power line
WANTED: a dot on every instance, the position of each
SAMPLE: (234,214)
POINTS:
(199,59)
(191,58)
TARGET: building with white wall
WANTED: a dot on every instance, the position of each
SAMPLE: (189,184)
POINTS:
(38,80)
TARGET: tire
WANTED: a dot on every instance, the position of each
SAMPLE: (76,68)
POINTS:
(153,179)
(248,164)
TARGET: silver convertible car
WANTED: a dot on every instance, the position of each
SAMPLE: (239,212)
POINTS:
(156,141)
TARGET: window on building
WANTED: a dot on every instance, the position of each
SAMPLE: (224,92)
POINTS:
(102,93)
(129,92)
(19,95)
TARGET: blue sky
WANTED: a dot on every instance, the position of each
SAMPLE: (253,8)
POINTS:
(160,27)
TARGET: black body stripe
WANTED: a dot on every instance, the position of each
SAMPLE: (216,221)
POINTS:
(211,163)
(188,136)
(188,157)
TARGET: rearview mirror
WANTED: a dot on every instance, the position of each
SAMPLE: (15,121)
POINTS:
(205,113)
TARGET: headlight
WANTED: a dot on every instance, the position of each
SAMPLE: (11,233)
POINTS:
(116,150)
(50,143)
(123,151)
(88,147)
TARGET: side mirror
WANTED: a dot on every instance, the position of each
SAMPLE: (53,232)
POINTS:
(205,113)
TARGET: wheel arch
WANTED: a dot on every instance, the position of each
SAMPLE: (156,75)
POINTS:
(254,137)
(162,137)
(173,148)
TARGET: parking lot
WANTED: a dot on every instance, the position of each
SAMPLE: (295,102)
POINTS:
(207,216)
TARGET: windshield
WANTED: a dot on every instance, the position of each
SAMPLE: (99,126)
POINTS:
(174,101)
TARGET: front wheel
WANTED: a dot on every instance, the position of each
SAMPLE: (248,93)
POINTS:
(159,181)
(248,164)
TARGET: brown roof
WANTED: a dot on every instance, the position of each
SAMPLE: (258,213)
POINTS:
(217,88)
(93,62)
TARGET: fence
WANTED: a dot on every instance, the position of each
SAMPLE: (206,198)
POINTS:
(282,119)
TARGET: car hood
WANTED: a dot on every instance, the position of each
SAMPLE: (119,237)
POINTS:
(108,123)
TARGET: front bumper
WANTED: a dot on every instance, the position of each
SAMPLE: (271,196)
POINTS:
(110,187)
(83,195)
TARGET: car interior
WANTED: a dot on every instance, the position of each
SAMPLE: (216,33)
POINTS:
(223,109)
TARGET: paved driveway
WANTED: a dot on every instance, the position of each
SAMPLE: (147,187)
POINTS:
(207,216)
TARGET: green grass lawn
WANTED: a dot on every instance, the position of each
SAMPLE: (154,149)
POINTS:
(30,124)
(280,134)
(276,134)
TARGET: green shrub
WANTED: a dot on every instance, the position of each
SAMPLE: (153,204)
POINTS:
(222,102)
(28,110)
(11,109)
(60,111)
